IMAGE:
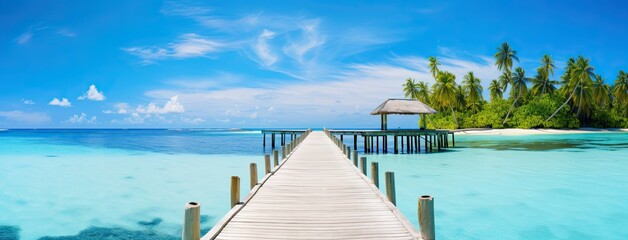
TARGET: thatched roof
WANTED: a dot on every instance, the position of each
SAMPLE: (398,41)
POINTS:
(403,106)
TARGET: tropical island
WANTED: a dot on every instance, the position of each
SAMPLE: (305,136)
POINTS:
(581,98)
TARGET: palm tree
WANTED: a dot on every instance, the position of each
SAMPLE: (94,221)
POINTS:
(445,91)
(620,90)
(504,80)
(601,92)
(434,66)
(541,83)
(496,90)
(424,92)
(519,87)
(547,65)
(578,79)
(504,56)
(410,89)
(473,90)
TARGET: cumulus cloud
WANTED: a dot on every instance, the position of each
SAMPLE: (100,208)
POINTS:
(25,117)
(28,101)
(172,106)
(83,118)
(61,103)
(92,94)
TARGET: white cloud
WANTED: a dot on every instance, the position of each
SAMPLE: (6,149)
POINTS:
(310,39)
(79,119)
(28,101)
(92,94)
(61,103)
(192,120)
(66,33)
(172,106)
(25,117)
(187,46)
(348,95)
(262,49)
(120,108)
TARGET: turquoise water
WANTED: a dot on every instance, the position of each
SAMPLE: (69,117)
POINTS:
(111,184)
(520,187)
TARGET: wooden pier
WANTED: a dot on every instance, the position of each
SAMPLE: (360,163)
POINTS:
(379,141)
(316,191)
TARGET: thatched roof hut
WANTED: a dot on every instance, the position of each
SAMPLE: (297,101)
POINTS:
(404,107)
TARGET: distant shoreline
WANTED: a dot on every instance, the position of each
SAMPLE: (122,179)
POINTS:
(518,131)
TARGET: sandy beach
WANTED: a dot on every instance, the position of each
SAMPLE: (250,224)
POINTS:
(517,131)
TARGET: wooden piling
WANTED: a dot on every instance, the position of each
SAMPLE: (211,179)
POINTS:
(375,173)
(355,142)
(349,152)
(426,217)
(363,165)
(235,190)
(396,145)
(355,157)
(377,144)
(267,163)
(264,142)
(276,157)
(453,140)
(390,187)
(192,222)
(272,144)
(253,168)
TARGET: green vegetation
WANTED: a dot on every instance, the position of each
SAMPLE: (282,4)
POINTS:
(582,99)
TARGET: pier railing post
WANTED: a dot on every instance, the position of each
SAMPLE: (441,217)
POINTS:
(355,157)
(267,163)
(276,157)
(235,190)
(363,165)
(253,168)
(283,153)
(390,187)
(192,222)
(349,152)
(426,217)
(375,173)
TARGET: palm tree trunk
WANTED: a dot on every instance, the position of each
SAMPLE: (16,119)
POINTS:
(512,106)
(561,106)
(579,103)
(455,119)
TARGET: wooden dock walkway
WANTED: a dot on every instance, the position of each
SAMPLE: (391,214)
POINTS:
(316,192)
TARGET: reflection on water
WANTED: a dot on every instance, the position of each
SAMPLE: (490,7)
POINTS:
(546,142)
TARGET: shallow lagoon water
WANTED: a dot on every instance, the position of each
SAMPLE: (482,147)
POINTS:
(93,184)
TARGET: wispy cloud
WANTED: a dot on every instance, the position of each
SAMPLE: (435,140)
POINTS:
(27,36)
(262,48)
(348,95)
(25,117)
(92,94)
(66,33)
(28,101)
(61,103)
(309,40)
(187,46)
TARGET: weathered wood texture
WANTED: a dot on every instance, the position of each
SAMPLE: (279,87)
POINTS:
(317,193)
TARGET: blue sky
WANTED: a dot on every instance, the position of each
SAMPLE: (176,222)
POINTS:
(125,64)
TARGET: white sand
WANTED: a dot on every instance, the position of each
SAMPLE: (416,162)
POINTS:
(517,131)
